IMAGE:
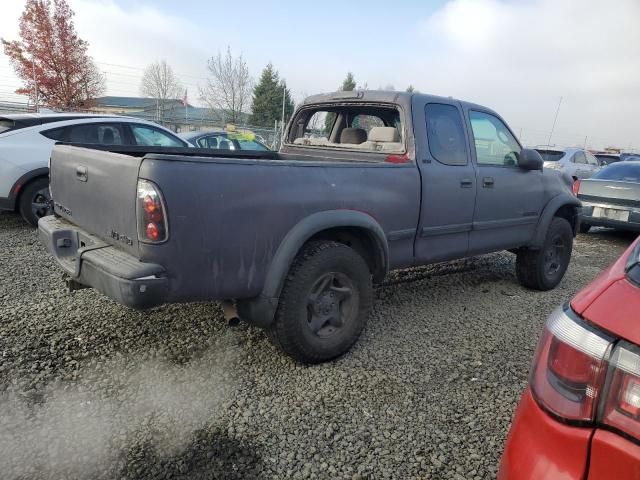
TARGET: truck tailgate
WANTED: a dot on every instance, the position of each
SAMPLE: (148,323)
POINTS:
(96,191)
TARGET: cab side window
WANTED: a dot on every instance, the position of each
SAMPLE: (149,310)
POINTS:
(579,157)
(494,143)
(445,134)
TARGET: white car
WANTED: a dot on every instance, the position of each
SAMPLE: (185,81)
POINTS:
(26,141)
(577,163)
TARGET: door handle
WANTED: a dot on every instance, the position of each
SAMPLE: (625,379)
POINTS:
(466,183)
(487,182)
(81,173)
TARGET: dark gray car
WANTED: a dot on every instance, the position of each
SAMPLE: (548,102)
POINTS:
(612,198)
(365,182)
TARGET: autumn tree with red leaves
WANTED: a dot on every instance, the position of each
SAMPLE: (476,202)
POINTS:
(51,59)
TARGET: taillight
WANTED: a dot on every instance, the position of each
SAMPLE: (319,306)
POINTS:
(576,187)
(622,405)
(570,367)
(151,213)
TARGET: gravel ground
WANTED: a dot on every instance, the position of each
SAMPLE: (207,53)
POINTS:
(90,389)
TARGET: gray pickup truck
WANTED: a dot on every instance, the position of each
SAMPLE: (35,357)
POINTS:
(365,182)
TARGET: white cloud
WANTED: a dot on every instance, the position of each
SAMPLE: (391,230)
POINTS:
(521,57)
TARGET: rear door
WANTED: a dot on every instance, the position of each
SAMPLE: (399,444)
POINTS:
(448,180)
(509,199)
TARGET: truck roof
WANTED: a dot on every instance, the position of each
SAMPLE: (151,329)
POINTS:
(384,96)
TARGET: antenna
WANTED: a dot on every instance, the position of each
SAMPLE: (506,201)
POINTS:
(554,121)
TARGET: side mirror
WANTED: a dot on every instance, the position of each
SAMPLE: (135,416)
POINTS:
(530,159)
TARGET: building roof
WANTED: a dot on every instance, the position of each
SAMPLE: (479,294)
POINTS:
(125,102)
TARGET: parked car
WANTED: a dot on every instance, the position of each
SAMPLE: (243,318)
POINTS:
(575,162)
(611,198)
(579,417)
(297,237)
(217,140)
(607,158)
(25,147)
(628,156)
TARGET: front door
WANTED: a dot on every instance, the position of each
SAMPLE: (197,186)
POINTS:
(509,199)
(448,181)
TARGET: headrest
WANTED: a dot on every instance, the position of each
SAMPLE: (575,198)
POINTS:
(353,135)
(384,134)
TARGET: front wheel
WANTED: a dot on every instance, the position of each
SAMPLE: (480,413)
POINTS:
(324,303)
(544,268)
(35,201)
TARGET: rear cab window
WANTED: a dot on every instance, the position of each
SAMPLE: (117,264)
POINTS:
(364,128)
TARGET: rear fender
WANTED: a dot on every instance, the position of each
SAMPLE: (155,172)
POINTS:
(260,310)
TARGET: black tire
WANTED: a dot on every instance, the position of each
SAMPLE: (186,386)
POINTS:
(34,201)
(585,227)
(544,268)
(317,319)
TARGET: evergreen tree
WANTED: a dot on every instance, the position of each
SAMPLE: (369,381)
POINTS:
(349,83)
(267,99)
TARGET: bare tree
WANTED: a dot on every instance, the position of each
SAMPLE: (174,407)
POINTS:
(229,87)
(159,82)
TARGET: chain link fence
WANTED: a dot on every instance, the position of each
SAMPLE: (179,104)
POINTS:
(176,120)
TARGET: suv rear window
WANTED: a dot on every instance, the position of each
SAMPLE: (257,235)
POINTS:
(550,155)
(363,128)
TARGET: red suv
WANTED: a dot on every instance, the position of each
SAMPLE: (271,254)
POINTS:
(579,418)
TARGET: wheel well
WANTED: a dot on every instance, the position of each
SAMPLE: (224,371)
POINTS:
(23,186)
(570,214)
(362,241)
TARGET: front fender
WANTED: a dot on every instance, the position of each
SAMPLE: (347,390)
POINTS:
(549,211)
(261,310)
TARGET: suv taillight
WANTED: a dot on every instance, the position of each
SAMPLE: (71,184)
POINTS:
(151,213)
(622,404)
(570,367)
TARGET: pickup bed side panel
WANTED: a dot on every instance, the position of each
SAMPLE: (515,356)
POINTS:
(228,218)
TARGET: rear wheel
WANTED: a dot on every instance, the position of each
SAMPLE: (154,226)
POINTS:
(544,268)
(35,201)
(324,303)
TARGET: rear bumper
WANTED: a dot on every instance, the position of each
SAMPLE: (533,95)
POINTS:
(613,457)
(586,217)
(540,448)
(93,263)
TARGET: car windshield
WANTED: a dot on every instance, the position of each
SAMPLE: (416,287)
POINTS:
(623,172)
(550,155)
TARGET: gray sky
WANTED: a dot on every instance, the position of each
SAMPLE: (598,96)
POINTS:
(518,57)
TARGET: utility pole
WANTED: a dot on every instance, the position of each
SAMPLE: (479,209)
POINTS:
(554,121)
(35,82)
(284,95)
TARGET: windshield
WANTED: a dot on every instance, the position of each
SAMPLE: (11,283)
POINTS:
(550,155)
(623,172)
